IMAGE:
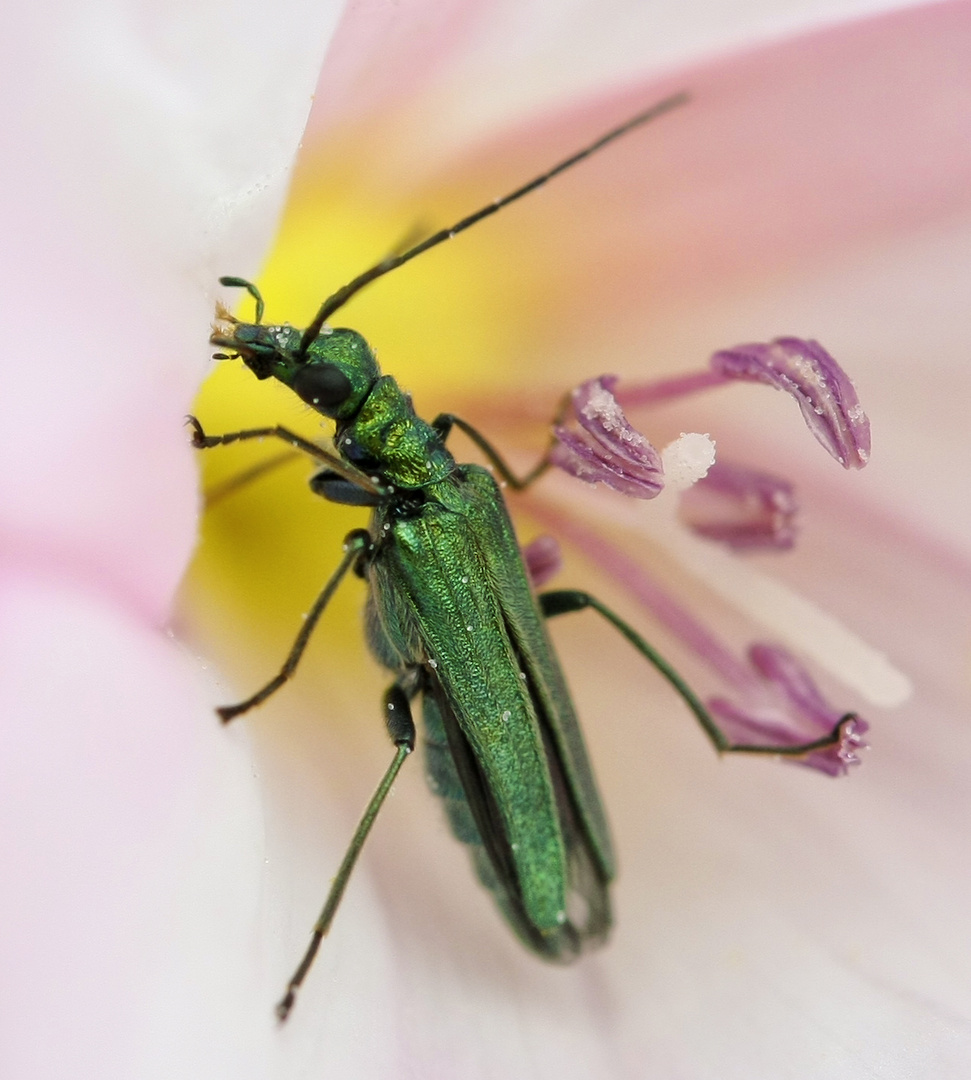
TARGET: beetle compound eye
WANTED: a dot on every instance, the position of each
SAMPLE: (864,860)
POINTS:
(322,385)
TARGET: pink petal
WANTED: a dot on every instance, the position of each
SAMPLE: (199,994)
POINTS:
(132,882)
(110,763)
(499,60)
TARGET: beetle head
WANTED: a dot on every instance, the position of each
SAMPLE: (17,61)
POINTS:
(333,376)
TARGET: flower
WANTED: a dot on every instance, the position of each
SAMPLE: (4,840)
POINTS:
(156,893)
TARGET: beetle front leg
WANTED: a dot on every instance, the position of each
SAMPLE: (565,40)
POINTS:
(202,441)
(356,544)
(563,601)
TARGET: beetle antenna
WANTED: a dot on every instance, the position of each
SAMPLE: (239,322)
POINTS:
(242,283)
(338,299)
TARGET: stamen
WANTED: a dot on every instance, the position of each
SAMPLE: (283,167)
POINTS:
(825,394)
(649,592)
(780,704)
(661,390)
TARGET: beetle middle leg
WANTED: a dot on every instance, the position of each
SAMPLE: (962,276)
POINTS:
(215,494)
(356,545)
(444,422)
(563,601)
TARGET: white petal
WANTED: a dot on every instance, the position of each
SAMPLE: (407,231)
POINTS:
(144,149)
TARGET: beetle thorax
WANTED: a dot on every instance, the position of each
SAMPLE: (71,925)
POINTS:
(387,439)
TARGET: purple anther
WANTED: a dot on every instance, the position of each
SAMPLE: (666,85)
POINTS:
(543,560)
(604,448)
(792,712)
(743,508)
(822,389)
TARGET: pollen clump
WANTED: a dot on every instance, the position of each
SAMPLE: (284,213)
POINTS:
(687,460)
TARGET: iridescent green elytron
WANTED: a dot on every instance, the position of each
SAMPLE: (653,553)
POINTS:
(452,614)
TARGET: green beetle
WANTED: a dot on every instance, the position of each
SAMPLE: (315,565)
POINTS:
(452,613)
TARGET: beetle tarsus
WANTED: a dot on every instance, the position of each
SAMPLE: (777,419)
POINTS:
(200,440)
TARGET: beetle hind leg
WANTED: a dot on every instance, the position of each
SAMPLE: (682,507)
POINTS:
(563,601)
(401,729)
